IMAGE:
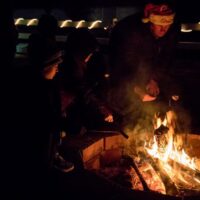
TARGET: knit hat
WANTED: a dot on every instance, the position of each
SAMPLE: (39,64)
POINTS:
(80,43)
(53,56)
(43,53)
(158,14)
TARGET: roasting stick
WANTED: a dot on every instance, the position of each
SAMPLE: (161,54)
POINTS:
(117,131)
(145,186)
(132,163)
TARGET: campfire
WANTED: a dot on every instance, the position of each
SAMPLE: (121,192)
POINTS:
(159,160)
(167,150)
(159,164)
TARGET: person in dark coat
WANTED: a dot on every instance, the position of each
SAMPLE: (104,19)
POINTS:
(37,115)
(45,34)
(84,109)
(142,49)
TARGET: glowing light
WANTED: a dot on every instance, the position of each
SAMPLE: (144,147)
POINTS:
(106,75)
(18,20)
(186,30)
(94,24)
(32,21)
(80,23)
(64,23)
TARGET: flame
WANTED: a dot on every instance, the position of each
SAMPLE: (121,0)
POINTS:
(172,156)
(172,150)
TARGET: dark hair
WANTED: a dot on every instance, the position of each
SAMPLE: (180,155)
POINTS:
(40,51)
(47,24)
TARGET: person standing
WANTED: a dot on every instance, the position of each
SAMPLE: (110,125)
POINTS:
(142,51)
(80,102)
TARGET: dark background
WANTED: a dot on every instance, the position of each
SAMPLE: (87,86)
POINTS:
(188,59)
(188,10)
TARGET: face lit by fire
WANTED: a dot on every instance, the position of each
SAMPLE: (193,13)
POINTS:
(50,71)
(159,30)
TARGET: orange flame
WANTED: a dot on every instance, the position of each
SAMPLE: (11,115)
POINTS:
(172,149)
(172,152)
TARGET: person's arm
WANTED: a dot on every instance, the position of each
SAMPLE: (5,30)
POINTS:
(88,96)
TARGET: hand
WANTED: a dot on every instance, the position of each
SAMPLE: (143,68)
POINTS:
(143,95)
(175,97)
(109,119)
(152,88)
(147,97)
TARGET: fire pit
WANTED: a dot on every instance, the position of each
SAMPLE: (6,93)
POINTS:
(139,163)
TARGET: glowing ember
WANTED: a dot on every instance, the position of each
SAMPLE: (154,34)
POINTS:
(150,176)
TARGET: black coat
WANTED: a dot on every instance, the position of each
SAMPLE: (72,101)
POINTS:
(36,124)
(136,54)
(135,58)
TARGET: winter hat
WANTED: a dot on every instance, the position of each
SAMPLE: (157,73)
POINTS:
(48,24)
(158,14)
(43,53)
(80,43)
(53,56)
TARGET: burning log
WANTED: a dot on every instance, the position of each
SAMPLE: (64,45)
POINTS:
(176,176)
(195,173)
(131,162)
(160,135)
(136,183)
(171,188)
(152,179)
(161,130)
(147,175)
(186,176)
(123,174)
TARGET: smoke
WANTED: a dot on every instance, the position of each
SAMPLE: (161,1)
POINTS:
(139,117)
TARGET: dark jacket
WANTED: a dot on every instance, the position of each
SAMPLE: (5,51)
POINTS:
(136,54)
(36,120)
(76,78)
(135,58)
(77,82)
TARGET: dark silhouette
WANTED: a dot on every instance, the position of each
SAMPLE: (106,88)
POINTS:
(44,35)
(85,108)
(8,40)
(142,51)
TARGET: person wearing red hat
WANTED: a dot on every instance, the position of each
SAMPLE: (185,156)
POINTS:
(142,50)
(161,17)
